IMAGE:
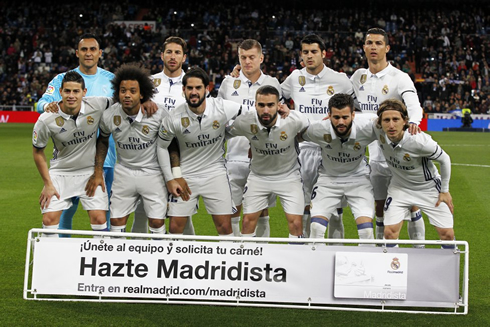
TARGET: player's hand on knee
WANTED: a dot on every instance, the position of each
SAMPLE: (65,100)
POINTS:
(94,181)
(447,199)
(46,195)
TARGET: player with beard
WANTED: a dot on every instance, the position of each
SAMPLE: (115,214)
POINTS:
(344,171)
(199,127)
(275,168)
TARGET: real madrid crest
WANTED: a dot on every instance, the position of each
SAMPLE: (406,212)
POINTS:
(357,146)
(330,90)
(327,138)
(117,120)
(254,129)
(60,121)
(382,139)
(237,83)
(185,122)
(363,78)
(406,157)
(145,129)
(395,264)
(90,120)
(302,80)
(385,90)
(216,124)
(283,136)
(157,82)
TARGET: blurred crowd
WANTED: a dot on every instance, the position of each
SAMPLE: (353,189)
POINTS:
(443,45)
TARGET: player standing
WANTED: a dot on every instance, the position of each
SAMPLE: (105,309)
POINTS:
(311,88)
(275,168)
(73,130)
(199,126)
(381,81)
(242,90)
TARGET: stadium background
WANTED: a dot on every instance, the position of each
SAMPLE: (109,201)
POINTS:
(218,27)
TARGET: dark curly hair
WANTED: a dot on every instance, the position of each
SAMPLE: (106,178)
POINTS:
(133,72)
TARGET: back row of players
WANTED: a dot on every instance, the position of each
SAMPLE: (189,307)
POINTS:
(333,166)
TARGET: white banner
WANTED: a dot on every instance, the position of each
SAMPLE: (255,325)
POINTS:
(371,275)
(182,270)
(241,272)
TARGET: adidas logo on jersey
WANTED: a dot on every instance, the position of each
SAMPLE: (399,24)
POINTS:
(117,130)
(302,89)
(234,94)
(186,132)
(62,130)
(361,88)
(255,138)
(328,146)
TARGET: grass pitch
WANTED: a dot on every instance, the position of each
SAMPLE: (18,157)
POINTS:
(21,184)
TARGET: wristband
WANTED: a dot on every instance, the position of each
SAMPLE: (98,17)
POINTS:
(176,172)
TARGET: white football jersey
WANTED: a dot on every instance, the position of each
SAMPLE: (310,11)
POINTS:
(201,138)
(311,93)
(135,138)
(410,161)
(242,90)
(274,151)
(74,139)
(343,160)
(168,90)
(390,83)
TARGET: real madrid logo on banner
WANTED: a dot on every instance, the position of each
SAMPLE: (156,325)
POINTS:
(330,90)
(185,122)
(117,120)
(363,78)
(382,139)
(302,80)
(385,90)
(357,146)
(237,83)
(327,138)
(60,121)
(254,129)
(395,264)
(157,82)
(145,129)
(406,157)
(283,136)
(216,124)
(90,120)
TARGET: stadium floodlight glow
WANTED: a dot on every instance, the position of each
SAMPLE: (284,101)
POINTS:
(175,13)
(192,25)
(81,15)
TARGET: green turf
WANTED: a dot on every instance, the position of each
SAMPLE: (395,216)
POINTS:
(20,187)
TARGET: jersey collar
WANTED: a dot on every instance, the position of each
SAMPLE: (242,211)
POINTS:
(139,116)
(246,80)
(66,116)
(381,73)
(313,77)
(175,80)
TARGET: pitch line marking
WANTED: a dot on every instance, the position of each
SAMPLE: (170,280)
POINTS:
(470,165)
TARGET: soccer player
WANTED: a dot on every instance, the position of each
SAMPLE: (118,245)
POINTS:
(344,171)
(73,130)
(415,180)
(275,169)
(372,86)
(168,93)
(199,127)
(98,83)
(137,173)
(311,88)
(242,90)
